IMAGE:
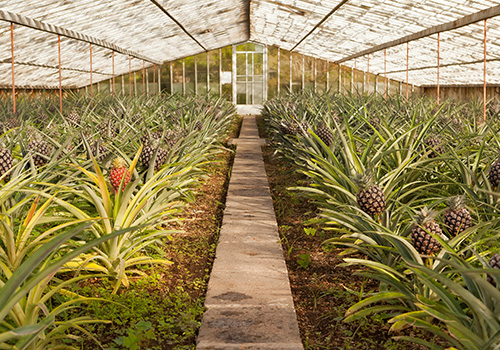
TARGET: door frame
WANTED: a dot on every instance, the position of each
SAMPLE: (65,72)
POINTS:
(264,71)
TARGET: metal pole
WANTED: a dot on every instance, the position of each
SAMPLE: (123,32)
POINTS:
(407,66)
(220,73)
(279,70)
(340,78)
(154,79)
(354,73)
(438,71)
(143,79)
(344,76)
(13,82)
(352,79)
(60,75)
(196,74)
(291,78)
(484,75)
(327,75)
(183,76)
(113,64)
(208,71)
(129,77)
(303,71)
(135,84)
(171,79)
(91,87)
(368,75)
(159,80)
(315,72)
(385,74)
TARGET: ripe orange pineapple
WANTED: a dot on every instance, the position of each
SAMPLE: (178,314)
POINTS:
(118,172)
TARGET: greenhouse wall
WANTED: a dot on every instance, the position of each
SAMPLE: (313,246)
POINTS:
(213,72)
(463,93)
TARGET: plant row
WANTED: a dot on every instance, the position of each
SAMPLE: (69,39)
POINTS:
(410,189)
(92,192)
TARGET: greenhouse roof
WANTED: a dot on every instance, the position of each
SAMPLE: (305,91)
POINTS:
(367,34)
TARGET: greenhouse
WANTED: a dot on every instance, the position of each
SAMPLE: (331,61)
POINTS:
(265,174)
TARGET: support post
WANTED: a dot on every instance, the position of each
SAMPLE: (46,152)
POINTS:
(129,77)
(407,67)
(437,92)
(220,73)
(113,65)
(484,75)
(60,74)
(279,70)
(154,79)
(327,75)
(143,79)
(291,78)
(171,79)
(196,74)
(385,74)
(12,66)
(368,74)
(183,76)
(303,71)
(91,87)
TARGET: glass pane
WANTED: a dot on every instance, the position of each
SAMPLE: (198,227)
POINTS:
(308,72)
(297,69)
(258,61)
(284,70)
(189,66)
(258,94)
(333,79)
(272,71)
(201,64)
(214,71)
(177,76)
(241,94)
(165,78)
(320,75)
(240,63)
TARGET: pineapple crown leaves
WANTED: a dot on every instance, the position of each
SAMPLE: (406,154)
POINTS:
(456,203)
(363,180)
(425,216)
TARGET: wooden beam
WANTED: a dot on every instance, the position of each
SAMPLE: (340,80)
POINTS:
(49,28)
(178,23)
(464,21)
(339,5)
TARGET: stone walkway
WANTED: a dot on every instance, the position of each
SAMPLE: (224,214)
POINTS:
(249,302)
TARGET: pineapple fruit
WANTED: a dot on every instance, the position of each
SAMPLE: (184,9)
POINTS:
(495,264)
(421,232)
(41,152)
(370,198)
(148,153)
(324,134)
(435,144)
(119,172)
(287,128)
(457,218)
(494,174)
(6,161)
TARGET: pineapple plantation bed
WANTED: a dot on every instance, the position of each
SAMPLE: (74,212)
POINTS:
(109,216)
(415,258)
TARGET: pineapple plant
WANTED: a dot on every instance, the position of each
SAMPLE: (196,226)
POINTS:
(421,232)
(324,134)
(119,172)
(494,174)
(6,161)
(107,129)
(98,151)
(370,197)
(148,153)
(435,144)
(495,264)
(287,128)
(41,152)
(457,218)
(74,119)
(198,125)
(303,127)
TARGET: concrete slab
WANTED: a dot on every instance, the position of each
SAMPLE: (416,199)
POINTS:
(249,301)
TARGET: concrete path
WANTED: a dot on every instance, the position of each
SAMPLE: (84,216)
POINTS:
(249,302)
